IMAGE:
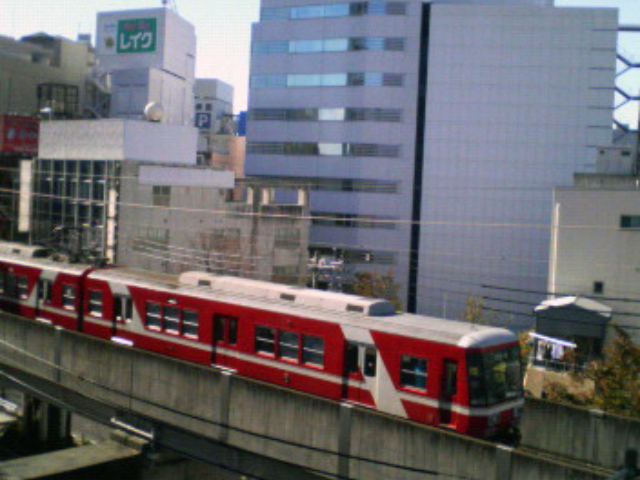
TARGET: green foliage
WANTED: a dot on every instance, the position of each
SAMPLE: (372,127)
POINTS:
(475,312)
(616,379)
(375,285)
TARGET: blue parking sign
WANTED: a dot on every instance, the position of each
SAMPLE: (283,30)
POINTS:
(203,121)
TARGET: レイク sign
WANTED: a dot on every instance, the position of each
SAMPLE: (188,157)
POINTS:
(137,35)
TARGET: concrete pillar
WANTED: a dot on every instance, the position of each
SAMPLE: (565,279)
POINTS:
(344,441)
(225,397)
(504,460)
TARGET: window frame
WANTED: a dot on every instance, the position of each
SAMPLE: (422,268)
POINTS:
(148,324)
(306,350)
(415,386)
(184,323)
(91,303)
(262,340)
(66,287)
(22,287)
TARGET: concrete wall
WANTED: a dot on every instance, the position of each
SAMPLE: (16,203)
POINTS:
(583,434)
(163,388)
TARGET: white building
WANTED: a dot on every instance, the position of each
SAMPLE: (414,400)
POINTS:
(150,57)
(438,129)
(595,246)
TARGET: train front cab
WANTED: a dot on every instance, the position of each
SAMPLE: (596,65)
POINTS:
(495,392)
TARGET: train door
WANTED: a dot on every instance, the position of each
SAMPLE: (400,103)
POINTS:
(43,296)
(122,315)
(448,391)
(361,368)
(225,340)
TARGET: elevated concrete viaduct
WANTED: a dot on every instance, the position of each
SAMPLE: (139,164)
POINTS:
(268,432)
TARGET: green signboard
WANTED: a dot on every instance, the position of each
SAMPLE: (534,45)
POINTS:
(137,35)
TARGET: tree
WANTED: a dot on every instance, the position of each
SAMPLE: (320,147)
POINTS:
(375,285)
(616,378)
(475,312)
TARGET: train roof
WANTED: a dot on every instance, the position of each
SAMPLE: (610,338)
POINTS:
(22,250)
(325,306)
(45,264)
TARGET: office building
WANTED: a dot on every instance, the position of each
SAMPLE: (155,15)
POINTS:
(432,134)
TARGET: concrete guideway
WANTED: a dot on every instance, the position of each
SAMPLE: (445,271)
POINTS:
(266,431)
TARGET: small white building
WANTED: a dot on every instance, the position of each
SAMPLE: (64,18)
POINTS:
(595,241)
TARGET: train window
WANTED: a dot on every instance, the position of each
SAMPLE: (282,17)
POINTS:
(233,331)
(44,290)
(172,319)
(413,372)
(190,323)
(351,357)
(122,308)
(23,287)
(95,303)
(154,315)
(370,362)
(68,297)
(313,350)
(265,340)
(289,345)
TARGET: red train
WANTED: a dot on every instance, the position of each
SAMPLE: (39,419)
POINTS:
(347,348)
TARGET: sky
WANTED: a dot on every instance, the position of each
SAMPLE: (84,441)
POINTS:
(223,28)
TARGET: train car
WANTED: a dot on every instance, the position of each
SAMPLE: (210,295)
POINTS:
(440,372)
(42,289)
(347,348)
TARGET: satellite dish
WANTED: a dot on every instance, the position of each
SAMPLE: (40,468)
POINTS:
(154,112)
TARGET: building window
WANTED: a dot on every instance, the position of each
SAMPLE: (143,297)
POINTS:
(325,149)
(348,220)
(327,114)
(208,107)
(68,297)
(172,319)
(630,221)
(313,350)
(190,323)
(23,287)
(287,238)
(369,79)
(413,372)
(265,340)
(153,316)
(598,287)
(289,345)
(352,44)
(352,9)
(199,106)
(161,196)
(95,303)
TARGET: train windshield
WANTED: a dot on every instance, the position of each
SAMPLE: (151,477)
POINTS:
(494,376)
